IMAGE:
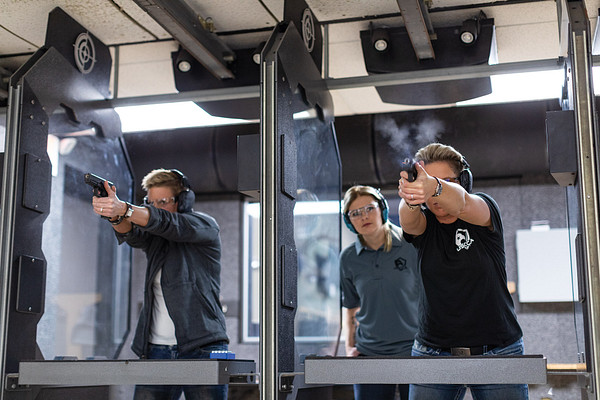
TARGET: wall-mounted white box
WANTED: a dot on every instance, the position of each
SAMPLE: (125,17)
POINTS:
(546,265)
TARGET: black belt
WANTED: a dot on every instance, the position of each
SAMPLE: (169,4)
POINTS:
(469,351)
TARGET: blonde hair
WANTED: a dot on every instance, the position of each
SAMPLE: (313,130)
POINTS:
(435,152)
(163,178)
(355,192)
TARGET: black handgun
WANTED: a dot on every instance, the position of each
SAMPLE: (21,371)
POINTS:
(409,165)
(97,184)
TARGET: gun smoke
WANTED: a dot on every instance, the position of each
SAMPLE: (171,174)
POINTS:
(406,138)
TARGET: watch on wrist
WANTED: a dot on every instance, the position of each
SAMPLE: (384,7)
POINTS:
(120,218)
(438,189)
(129,211)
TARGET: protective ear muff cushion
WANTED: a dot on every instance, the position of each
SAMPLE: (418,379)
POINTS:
(185,201)
(349,224)
(466,177)
(187,198)
(466,180)
(385,210)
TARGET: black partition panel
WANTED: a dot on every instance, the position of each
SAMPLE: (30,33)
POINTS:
(300,194)
(69,281)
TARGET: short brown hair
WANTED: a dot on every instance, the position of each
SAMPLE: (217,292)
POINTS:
(435,152)
(163,178)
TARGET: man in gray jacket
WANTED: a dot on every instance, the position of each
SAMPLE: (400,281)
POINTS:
(182,316)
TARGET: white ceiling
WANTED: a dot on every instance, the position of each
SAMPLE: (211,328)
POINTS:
(525,31)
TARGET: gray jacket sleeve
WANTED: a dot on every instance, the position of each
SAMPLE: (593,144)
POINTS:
(191,227)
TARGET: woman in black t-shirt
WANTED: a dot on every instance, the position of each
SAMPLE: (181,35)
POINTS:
(467,309)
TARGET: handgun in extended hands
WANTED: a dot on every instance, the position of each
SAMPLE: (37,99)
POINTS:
(409,165)
(97,183)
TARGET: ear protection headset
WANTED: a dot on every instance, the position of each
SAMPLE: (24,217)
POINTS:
(383,205)
(185,199)
(466,177)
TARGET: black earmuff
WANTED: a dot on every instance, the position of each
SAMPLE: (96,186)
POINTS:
(466,177)
(384,212)
(186,198)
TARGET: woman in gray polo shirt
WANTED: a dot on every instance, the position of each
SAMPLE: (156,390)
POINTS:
(380,287)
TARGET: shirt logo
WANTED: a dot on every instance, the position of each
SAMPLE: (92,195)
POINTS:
(462,239)
(400,264)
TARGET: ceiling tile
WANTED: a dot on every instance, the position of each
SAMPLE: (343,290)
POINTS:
(327,10)
(233,15)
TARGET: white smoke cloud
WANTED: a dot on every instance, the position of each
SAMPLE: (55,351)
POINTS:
(408,137)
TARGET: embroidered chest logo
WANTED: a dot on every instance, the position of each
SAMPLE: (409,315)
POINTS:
(400,264)
(462,239)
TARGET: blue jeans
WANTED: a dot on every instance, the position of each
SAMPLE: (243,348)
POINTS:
(379,392)
(192,392)
(479,392)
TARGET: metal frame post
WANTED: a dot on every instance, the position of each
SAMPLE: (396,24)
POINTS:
(583,105)
(7,201)
(268,226)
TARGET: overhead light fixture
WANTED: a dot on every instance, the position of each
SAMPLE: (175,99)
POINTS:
(450,52)
(380,39)
(256,53)
(184,61)
(469,31)
(184,66)
(168,116)
(523,86)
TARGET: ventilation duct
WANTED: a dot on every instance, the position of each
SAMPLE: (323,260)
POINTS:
(499,141)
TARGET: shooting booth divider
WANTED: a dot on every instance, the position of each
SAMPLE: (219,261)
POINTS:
(69,307)
(301,166)
(55,250)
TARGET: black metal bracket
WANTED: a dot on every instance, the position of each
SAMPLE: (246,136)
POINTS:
(286,383)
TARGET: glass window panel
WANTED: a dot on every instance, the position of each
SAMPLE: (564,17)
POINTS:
(317,236)
(251,276)
(88,274)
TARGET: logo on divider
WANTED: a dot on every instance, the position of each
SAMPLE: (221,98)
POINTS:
(85,53)
(308,29)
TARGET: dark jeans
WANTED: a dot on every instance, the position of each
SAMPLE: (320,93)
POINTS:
(479,392)
(379,392)
(192,392)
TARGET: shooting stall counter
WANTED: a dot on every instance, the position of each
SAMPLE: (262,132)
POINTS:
(134,372)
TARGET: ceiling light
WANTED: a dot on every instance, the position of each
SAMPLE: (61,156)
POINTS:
(380,45)
(380,39)
(524,86)
(167,116)
(469,31)
(256,53)
(184,66)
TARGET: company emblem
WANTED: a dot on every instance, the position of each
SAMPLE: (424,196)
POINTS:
(308,29)
(85,53)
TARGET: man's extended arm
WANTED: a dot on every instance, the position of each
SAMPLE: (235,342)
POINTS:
(114,208)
